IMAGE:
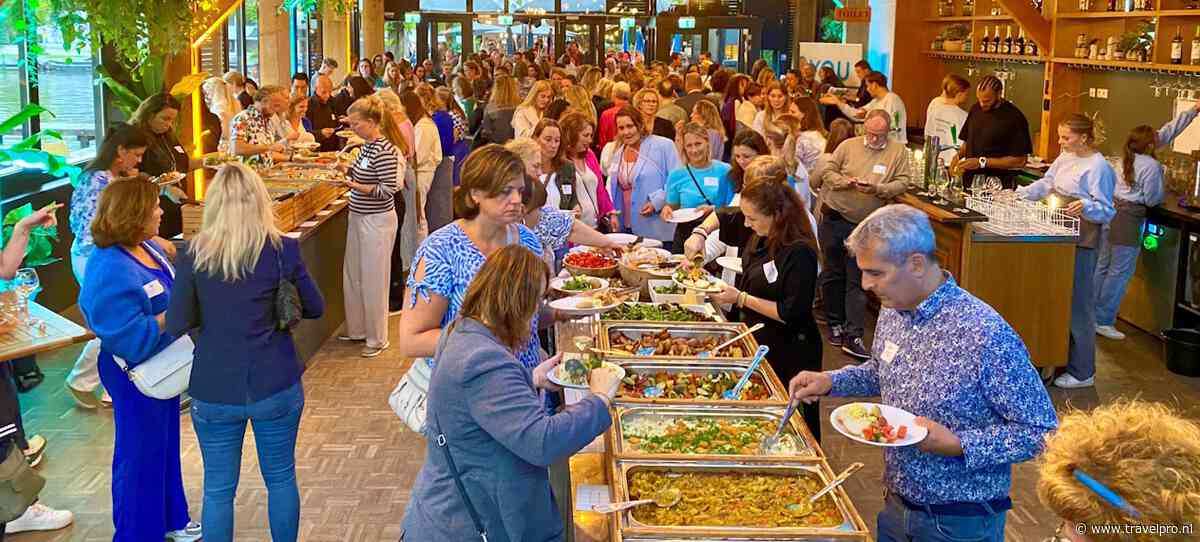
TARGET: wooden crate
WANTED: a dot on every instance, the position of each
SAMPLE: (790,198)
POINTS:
(193,218)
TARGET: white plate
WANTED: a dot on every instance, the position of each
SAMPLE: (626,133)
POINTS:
(305,145)
(554,377)
(895,417)
(570,305)
(731,263)
(345,134)
(556,284)
(717,286)
(652,243)
(622,238)
(679,216)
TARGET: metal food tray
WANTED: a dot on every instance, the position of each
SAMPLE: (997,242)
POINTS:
(634,330)
(795,428)
(705,308)
(778,393)
(852,526)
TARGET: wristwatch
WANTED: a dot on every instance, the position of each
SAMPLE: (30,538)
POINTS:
(982,162)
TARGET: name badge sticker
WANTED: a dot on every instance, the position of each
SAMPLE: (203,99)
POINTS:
(770,272)
(179,149)
(890,349)
(567,189)
(879,169)
(153,288)
(711,181)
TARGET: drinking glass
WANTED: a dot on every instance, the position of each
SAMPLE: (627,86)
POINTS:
(26,282)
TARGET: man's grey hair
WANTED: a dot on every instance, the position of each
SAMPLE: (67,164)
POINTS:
(881,113)
(899,230)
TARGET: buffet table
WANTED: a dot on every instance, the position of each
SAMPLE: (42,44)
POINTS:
(1027,279)
(625,461)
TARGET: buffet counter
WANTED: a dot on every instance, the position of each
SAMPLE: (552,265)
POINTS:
(628,459)
(1026,278)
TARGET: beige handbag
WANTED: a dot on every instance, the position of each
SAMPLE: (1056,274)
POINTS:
(408,398)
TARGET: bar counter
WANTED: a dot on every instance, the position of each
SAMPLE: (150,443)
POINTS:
(1027,279)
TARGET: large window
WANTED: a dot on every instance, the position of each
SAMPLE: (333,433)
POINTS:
(587,6)
(307,49)
(401,40)
(241,40)
(518,6)
(445,5)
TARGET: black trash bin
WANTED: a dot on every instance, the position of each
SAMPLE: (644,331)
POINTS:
(1181,347)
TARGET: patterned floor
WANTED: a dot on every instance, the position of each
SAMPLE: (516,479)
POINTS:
(355,462)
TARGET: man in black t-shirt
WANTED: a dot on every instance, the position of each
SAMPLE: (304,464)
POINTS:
(995,135)
(322,115)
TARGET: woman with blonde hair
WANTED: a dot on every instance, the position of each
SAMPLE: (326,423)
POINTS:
(438,210)
(696,185)
(218,107)
(392,78)
(777,104)
(580,100)
(393,106)
(705,113)
(486,409)
(373,180)
(766,77)
(646,102)
(527,115)
(1146,453)
(602,95)
(497,125)
(246,369)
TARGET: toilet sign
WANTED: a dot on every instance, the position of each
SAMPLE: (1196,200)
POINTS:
(852,15)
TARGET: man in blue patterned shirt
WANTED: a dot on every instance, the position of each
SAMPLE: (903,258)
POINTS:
(950,359)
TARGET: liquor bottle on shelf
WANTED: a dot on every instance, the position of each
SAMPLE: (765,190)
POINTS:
(1031,48)
(1195,58)
(996,41)
(1006,47)
(968,44)
(1081,46)
(1085,5)
(968,8)
(1177,46)
(985,44)
(1019,47)
(1112,5)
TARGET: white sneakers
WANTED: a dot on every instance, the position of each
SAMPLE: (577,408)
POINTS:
(1110,332)
(39,517)
(1066,381)
(187,534)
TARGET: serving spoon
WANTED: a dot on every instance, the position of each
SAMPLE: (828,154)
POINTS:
(772,441)
(736,338)
(663,498)
(805,507)
(736,392)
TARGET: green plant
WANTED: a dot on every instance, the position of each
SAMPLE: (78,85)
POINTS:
(316,6)
(832,31)
(1129,41)
(41,239)
(26,152)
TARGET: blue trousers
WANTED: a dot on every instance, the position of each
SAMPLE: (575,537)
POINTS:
(1081,354)
(897,523)
(221,429)
(1114,267)
(147,479)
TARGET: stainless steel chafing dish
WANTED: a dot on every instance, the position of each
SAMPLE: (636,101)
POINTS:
(776,391)
(722,330)
(851,525)
(794,429)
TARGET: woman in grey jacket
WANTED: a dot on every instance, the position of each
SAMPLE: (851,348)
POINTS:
(487,407)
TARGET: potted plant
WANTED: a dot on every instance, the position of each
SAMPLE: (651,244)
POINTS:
(953,37)
(1127,46)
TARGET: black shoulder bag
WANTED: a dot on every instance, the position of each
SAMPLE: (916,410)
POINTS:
(698,187)
(462,490)
(288,309)
(566,186)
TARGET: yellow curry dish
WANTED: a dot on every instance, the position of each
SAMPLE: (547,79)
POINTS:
(731,499)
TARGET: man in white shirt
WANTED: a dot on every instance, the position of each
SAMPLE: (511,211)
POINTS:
(881,98)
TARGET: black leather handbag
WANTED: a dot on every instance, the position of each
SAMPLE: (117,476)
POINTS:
(288,309)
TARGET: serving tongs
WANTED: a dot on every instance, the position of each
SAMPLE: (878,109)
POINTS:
(663,498)
(805,507)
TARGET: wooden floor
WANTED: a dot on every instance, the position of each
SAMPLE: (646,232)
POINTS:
(356,463)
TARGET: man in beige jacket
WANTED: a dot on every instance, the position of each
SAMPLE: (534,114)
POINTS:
(864,174)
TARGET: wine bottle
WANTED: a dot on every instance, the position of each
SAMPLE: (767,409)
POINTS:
(968,44)
(1177,46)
(1112,5)
(996,41)
(1195,59)
(1031,47)
(1006,45)
(985,44)
(1020,46)
(1008,41)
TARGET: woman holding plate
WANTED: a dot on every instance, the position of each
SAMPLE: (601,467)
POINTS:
(695,186)
(779,270)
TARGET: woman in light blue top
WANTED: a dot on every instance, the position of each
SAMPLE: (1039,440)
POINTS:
(1083,181)
(638,176)
(698,184)
(1139,186)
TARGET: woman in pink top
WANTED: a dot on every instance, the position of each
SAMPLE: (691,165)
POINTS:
(592,201)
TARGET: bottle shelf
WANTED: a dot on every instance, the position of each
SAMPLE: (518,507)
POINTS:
(951,55)
(1127,65)
(1113,14)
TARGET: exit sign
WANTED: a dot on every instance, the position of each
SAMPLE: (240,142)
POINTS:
(412,18)
(852,15)
(628,22)
(687,22)
(504,20)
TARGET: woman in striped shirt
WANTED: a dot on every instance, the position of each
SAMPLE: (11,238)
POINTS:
(373,181)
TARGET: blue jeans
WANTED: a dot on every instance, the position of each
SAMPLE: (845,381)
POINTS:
(899,524)
(220,429)
(1114,268)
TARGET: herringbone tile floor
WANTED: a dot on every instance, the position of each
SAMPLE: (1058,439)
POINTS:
(356,462)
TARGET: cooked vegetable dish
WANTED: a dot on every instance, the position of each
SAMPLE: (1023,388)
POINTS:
(663,312)
(579,283)
(723,435)
(670,289)
(665,344)
(707,385)
(731,499)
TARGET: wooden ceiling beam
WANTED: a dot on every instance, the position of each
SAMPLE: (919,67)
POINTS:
(1036,26)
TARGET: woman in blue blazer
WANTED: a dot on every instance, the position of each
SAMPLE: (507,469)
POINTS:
(124,299)
(484,405)
(637,177)
(246,370)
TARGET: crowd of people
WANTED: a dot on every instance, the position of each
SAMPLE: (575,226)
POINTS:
(476,173)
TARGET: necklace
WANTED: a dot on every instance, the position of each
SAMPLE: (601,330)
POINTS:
(165,145)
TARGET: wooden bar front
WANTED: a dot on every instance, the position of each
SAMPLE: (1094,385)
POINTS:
(1027,280)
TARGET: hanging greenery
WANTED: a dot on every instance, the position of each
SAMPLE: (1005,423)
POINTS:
(316,6)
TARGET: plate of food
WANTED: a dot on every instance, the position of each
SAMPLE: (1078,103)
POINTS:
(878,425)
(654,261)
(574,370)
(577,283)
(345,134)
(696,278)
(591,303)
(305,145)
(731,263)
(590,262)
(687,214)
(621,238)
